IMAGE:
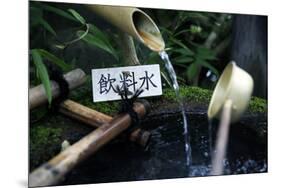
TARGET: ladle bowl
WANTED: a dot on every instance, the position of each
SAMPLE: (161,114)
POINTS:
(235,85)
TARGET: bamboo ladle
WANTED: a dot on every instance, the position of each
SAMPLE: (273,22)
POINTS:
(229,101)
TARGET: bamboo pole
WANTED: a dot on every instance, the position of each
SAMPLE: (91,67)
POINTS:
(134,22)
(222,138)
(37,95)
(54,170)
(96,119)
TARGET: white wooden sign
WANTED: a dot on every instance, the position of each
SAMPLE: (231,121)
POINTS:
(105,81)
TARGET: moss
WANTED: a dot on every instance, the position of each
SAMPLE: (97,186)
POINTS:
(43,135)
(258,105)
(193,94)
(203,96)
(190,94)
(83,95)
(44,144)
(109,108)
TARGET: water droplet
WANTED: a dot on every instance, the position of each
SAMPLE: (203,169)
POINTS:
(206,154)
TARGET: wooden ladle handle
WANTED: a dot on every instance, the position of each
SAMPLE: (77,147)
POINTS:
(222,138)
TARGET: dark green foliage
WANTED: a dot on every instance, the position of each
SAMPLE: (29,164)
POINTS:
(187,36)
(77,16)
(38,55)
(52,58)
(48,8)
(99,39)
(42,50)
(37,20)
(42,73)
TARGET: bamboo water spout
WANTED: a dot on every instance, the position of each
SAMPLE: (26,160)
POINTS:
(134,22)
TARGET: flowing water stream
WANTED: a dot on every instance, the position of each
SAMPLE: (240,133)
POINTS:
(169,68)
(210,138)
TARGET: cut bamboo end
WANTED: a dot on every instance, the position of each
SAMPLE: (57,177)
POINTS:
(37,95)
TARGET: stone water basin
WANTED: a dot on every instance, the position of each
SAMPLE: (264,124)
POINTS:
(165,155)
(121,160)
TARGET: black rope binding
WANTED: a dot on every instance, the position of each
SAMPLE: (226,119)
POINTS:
(127,105)
(56,75)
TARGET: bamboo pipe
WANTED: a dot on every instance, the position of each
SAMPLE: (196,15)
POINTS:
(134,22)
(37,95)
(96,119)
(54,170)
(222,139)
(128,50)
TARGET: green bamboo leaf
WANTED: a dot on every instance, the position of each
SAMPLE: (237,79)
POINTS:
(205,53)
(100,34)
(43,73)
(185,66)
(192,71)
(79,38)
(184,52)
(47,26)
(98,42)
(164,30)
(56,11)
(77,16)
(52,58)
(182,31)
(37,74)
(183,60)
(178,42)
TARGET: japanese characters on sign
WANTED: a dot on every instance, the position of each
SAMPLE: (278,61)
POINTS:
(105,81)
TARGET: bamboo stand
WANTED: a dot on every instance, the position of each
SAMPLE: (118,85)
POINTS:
(96,119)
(53,171)
(77,111)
